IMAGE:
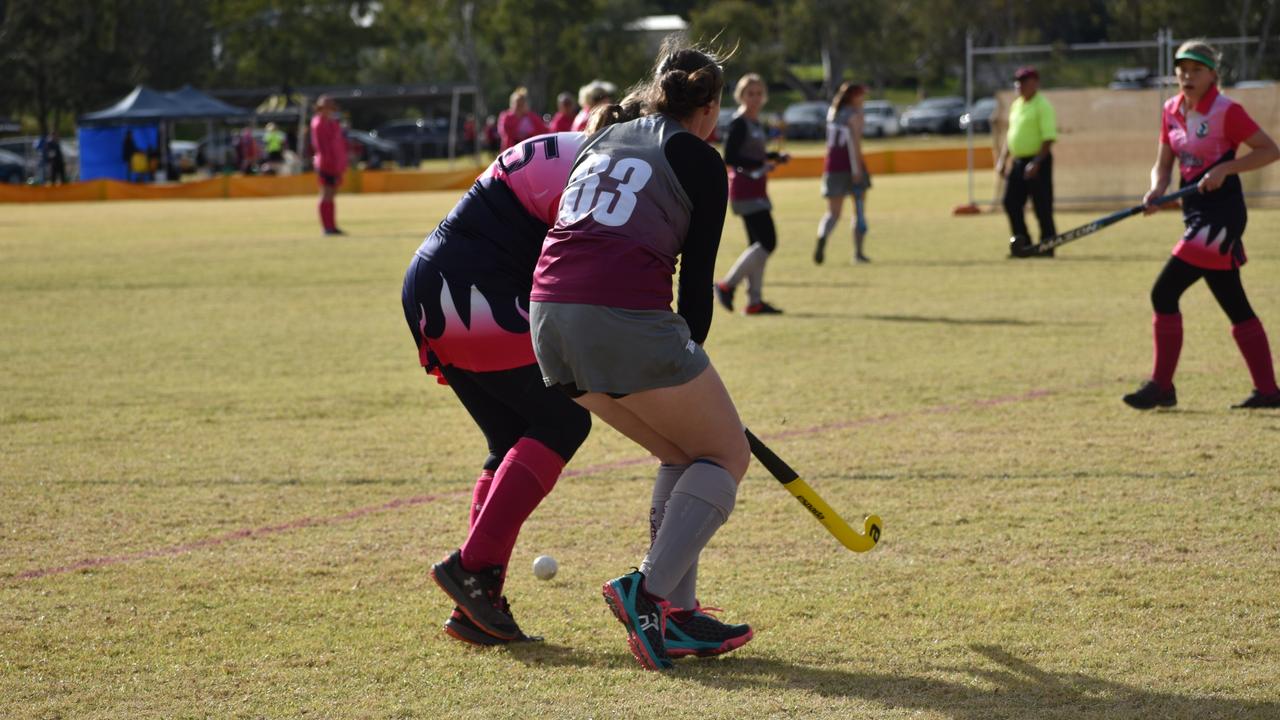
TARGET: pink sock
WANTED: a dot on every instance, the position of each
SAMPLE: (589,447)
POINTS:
(526,475)
(1167,331)
(479,495)
(1251,338)
(327,214)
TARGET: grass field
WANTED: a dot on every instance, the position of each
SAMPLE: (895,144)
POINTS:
(223,477)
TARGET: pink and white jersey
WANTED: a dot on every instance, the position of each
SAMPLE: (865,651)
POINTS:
(1202,136)
(536,170)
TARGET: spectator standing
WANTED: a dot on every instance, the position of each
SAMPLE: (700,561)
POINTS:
(596,92)
(518,123)
(330,159)
(247,151)
(273,142)
(1026,161)
(55,165)
(562,121)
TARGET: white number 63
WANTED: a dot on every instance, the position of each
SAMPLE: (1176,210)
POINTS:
(583,196)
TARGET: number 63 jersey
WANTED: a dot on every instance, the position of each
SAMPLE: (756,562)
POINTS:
(622,221)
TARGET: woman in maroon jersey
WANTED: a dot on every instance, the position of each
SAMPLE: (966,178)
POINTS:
(844,171)
(750,161)
(641,194)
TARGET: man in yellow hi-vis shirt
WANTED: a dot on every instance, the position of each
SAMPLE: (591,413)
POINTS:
(1026,161)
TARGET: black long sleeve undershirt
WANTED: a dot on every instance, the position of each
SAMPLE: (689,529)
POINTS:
(738,131)
(701,173)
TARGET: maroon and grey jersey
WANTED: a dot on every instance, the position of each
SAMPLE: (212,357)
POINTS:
(838,140)
(623,220)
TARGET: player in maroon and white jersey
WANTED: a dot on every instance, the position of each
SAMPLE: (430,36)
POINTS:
(750,161)
(1202,129)
(642,193)
(844,170)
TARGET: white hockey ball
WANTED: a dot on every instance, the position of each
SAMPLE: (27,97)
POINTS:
(545,567)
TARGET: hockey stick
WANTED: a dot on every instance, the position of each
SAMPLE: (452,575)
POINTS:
(782,472)
(1045,246)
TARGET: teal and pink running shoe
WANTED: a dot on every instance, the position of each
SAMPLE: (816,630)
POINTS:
(644,617)
(697,632)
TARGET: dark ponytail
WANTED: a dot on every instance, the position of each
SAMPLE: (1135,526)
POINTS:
(684,79)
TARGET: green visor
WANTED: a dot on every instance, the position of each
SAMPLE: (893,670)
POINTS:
(1192,55)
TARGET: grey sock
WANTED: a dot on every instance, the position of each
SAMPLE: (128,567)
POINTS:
(748,264)
(685,593)
(826,225)
(700,503)
(668,476)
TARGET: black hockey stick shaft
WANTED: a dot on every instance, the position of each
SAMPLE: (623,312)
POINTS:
(1089,228)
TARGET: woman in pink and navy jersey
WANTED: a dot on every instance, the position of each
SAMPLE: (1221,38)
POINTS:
(844,171)
(1202,129)
(749,161)
(466,300)
(642,193)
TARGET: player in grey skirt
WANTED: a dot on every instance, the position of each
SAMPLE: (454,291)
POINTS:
(641,193)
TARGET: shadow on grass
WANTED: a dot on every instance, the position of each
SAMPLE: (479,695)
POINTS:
(1014,689)
(1013,322)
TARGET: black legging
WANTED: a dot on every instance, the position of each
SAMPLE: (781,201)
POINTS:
(760,230)
(510,404)
(1179,275)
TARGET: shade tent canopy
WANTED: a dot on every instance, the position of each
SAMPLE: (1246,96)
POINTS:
(144,105)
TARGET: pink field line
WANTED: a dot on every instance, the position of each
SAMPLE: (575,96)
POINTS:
(306,522)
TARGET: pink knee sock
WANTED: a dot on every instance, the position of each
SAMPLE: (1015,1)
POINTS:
(1167,331)
(327,214)
(479,495)
(1251,338)
(526,475)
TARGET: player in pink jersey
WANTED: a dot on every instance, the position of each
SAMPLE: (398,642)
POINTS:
(466,300)
(330,160)
(1202,129)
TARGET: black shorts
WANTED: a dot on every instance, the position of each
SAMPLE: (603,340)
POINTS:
(329,180)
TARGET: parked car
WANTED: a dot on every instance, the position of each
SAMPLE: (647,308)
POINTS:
(934,115)
(416,140)
(184,154)
(980,115)
(373,151)
(880,119)
(13,168)
(1132,78)
(805,121)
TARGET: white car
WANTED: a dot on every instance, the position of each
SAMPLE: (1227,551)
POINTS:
(880,119)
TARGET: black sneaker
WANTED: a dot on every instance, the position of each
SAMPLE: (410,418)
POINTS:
(860,259)
(1150,395)
(460,627)
(477,595)
(696,632)
(1019,246)
(724,294)
(820,251)
(644,617)
(1258,400)
(334,231)
(761,308)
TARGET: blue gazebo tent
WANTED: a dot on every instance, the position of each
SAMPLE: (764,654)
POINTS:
(143,112)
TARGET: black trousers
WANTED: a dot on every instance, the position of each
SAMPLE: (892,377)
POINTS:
(1040,189)
(1178,275)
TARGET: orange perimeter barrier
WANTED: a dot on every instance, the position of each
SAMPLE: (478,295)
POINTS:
(384,181)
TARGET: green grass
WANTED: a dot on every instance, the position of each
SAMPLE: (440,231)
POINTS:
(177,372)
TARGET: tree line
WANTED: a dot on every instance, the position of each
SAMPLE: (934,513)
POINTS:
(62,58)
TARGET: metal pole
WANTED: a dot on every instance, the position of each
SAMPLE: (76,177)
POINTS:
(453,126)
(968,101)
